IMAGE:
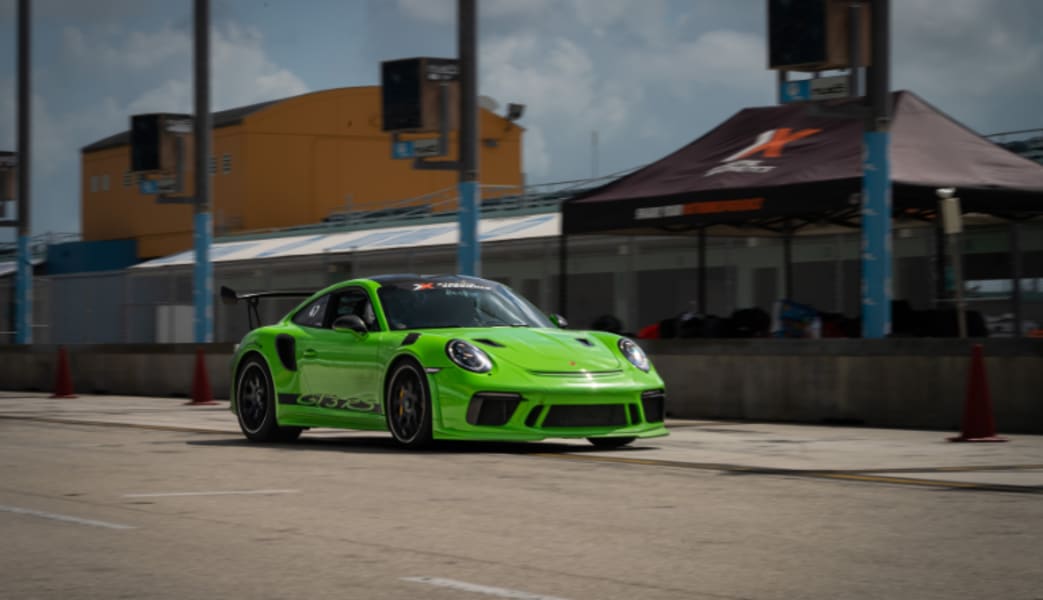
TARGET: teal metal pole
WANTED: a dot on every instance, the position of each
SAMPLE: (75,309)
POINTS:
(876,184)
(469,250)
(203,273)
(24,268)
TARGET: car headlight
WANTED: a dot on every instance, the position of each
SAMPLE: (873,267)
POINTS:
(468,356)
(634,354)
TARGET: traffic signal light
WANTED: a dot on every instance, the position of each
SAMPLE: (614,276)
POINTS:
(814,35)
(411,90)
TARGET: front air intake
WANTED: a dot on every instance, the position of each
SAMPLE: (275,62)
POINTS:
(492,409)
(653,402)
(586,415)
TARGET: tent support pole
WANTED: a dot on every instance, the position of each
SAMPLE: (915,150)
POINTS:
(941,292)
(701,298)
(1015,276)
(563,272)
(787,261)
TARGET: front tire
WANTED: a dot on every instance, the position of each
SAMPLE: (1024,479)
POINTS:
(407,405)
(608,443)
(255,405)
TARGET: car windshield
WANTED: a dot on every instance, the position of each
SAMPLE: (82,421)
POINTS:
(430,304)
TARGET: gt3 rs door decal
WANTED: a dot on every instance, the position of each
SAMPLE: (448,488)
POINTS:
(330,401)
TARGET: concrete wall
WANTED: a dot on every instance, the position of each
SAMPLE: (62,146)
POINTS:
(914,383)
(125,369)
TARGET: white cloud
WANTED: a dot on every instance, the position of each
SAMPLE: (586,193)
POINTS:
(441,12)
(242,73)
(173,95)
(141,51)
(555,78)
(647,20)
(536,158)
(513,9)
(994,54)
(719,60)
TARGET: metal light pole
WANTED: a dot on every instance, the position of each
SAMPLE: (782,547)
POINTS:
(24,270)
(469,252)
(952,224)
(203,275)
(876,184)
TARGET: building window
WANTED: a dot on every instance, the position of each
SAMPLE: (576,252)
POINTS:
(127,179)
(104,183)
(213,165)
(226,163)
(94,183)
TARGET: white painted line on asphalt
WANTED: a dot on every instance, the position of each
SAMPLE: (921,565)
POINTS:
(479,589)
(215,493)
(65,518)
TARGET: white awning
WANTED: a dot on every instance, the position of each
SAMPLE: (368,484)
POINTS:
(407,236)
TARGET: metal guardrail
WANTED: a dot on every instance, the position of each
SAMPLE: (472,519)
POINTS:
(442,205)
(37,244)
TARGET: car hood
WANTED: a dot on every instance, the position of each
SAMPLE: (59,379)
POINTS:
(544,350)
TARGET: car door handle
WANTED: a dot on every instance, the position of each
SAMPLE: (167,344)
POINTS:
(309,353)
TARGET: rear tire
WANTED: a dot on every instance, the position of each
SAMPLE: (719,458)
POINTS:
(608,443)
(255,405)
(407,405)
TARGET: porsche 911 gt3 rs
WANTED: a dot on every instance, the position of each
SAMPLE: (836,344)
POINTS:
(438,357)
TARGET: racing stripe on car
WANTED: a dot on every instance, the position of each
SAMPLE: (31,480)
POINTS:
(288,398)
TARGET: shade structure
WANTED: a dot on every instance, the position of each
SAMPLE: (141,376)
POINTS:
(784,167)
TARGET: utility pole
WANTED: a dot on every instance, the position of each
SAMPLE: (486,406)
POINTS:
(469,252)
(876,183)
(203,275)
(24,269)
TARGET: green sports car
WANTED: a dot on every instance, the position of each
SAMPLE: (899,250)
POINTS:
(438,357)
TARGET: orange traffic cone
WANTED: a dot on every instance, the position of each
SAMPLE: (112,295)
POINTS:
(201,395)
(978,425)
(62,377)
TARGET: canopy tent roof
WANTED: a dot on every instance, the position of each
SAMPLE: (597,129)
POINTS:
(781,167)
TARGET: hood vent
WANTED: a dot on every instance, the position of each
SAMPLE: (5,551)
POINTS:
(489,342)
(585,342)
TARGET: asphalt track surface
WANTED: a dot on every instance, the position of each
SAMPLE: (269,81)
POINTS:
(117,497)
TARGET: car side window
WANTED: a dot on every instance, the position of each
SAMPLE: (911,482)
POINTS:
(355,302)
(314,314)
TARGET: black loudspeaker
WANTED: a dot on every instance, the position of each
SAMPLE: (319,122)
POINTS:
(410,92)
(145,136)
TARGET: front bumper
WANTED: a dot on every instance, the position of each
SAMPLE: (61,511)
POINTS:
(470,406)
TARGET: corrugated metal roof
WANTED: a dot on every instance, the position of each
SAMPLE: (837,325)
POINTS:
(410,236)
(223,118)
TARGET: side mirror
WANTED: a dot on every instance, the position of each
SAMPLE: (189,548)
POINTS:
(559,320)
(350,323)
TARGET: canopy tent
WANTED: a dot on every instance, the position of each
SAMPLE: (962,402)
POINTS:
(768,164)
(783,169)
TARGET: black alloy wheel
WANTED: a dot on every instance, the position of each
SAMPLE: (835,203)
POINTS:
(255,405)
(407,405)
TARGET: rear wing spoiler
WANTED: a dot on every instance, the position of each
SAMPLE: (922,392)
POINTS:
(253,300)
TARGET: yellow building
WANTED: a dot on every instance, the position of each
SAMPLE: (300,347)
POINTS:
(288,162)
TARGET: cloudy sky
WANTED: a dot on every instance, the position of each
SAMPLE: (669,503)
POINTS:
(647,75)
